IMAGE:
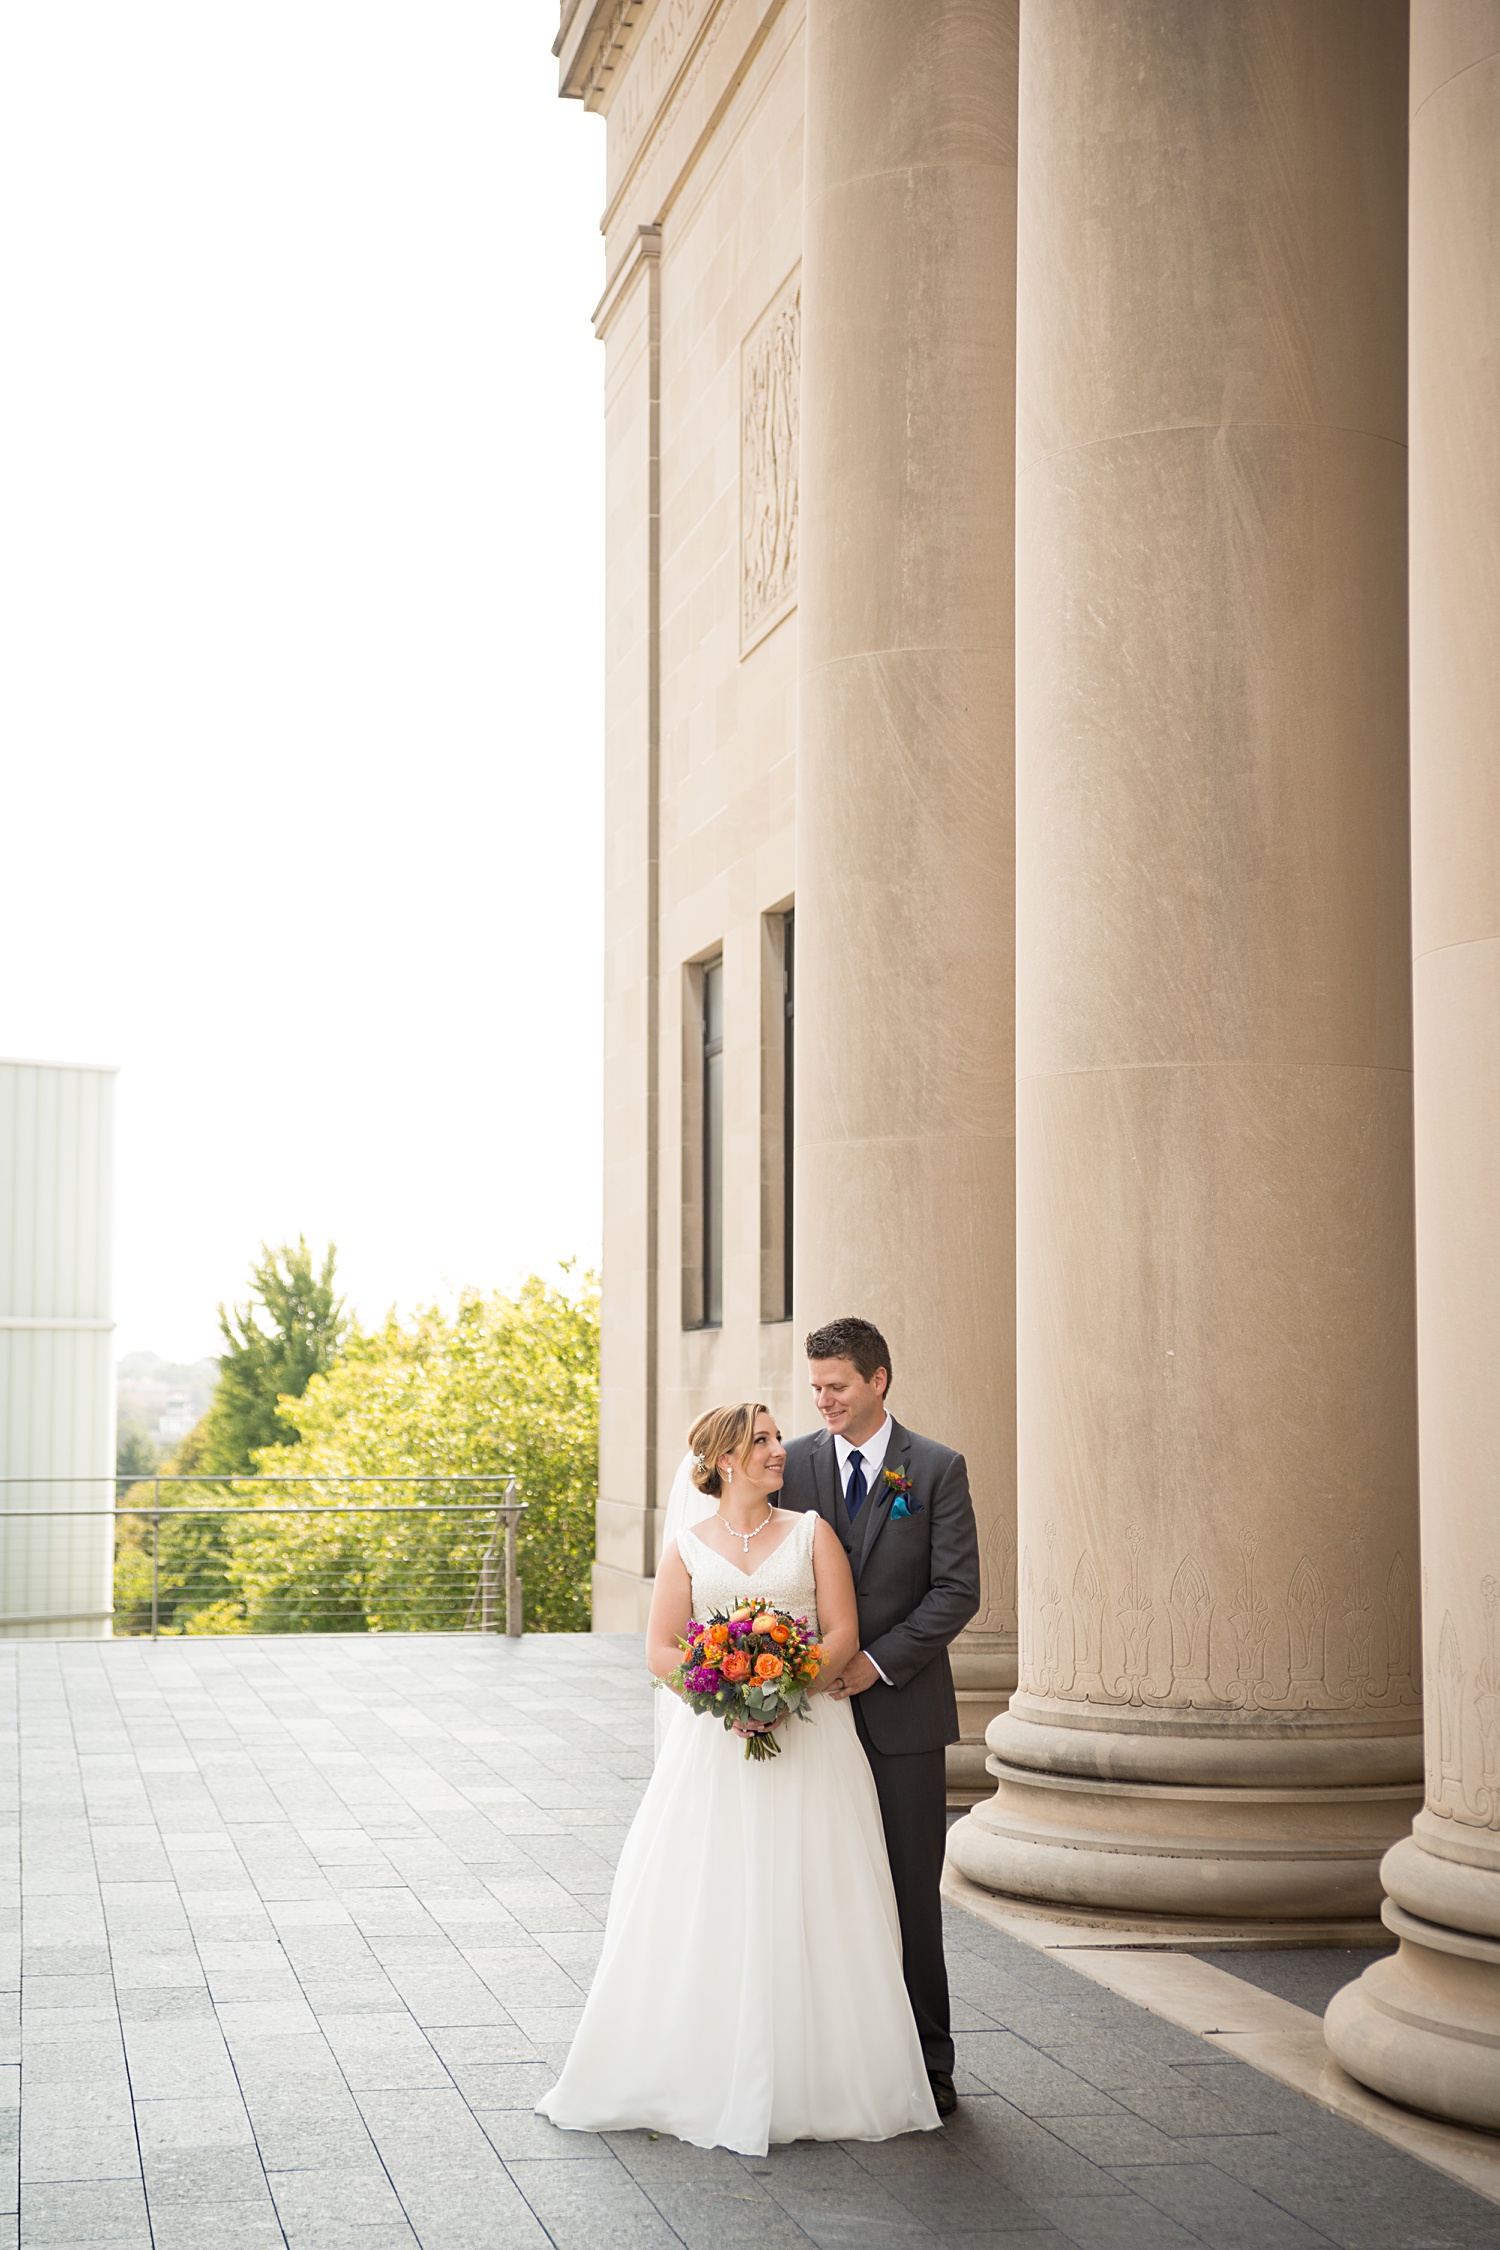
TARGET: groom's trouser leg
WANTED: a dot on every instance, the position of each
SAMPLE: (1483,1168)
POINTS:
(913,1793)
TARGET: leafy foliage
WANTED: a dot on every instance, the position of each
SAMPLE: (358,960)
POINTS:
(502,1386)
(499,1386)
(289,1331)
(136,1453)
(263,1365)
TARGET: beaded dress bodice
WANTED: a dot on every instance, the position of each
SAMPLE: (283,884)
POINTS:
(783,1581)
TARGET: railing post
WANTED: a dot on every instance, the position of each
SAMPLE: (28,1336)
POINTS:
(487,1575)
(512,1582)
(155,1553)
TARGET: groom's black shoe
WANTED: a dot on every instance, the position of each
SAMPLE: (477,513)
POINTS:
(941,2082)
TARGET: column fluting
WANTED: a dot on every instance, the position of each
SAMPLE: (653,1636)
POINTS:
(905,893)
(1219,1706)
(1424,2027)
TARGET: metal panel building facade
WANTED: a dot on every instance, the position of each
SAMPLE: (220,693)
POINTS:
(56,1356)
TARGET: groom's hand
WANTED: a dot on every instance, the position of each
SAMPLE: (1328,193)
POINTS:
(858,1674)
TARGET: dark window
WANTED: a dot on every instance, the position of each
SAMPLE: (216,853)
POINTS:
(713,1144)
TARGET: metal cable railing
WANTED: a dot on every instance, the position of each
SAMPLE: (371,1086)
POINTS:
(228,1565)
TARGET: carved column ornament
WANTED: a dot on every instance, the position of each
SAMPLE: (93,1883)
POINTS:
(770,379)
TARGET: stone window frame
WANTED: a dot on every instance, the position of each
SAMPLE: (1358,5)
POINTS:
(699,1270)
(778,1003)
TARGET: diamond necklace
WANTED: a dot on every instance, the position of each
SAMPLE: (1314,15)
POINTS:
(747,1536)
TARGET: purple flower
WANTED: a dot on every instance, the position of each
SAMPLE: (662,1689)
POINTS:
(738,1626)
(704,1679)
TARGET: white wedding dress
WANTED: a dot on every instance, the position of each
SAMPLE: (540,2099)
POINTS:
(750,1989)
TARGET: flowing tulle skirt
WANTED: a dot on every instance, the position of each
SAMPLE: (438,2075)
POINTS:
(749,1989)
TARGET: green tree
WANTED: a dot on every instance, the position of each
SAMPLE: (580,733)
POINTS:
(265,1364)
(288,1331)
(136,1457)
(136,1453)
(501,1386)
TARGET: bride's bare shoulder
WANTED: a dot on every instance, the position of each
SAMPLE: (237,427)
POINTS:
(672,1555)
(826,1544)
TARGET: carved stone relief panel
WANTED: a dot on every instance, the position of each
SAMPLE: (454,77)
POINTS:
(1463,1781)
(770,363)
(997,1576)
(1143,1634)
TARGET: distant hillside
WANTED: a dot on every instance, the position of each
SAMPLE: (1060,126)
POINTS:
(163,1398)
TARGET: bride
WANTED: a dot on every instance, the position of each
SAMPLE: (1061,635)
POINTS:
(749,1989)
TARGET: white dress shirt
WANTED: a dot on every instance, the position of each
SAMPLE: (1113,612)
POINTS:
(872,1453)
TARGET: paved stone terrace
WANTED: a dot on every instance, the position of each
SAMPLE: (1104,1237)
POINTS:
(298,1929)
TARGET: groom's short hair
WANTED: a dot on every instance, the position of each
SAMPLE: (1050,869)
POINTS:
(856,1340)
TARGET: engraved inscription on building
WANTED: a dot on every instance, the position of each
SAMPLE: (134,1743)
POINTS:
(768,465)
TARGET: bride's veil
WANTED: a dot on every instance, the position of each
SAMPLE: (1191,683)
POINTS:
(685,1505)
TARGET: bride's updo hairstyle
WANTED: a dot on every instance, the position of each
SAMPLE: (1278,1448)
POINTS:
(723,1429)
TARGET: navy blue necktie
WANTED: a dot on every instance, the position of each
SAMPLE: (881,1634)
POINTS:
(854,1490)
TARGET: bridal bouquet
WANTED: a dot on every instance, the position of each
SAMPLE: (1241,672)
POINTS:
(748,1663)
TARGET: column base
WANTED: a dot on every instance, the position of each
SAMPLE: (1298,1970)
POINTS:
(1424,2028)
(621,1601)
(1290,1842)
(984,1675)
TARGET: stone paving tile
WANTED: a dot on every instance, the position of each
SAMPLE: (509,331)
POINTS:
(1221,2211)
(203,2176)
(308,1924)
(69,2134)
(295,2135)
(215,2226)
(193,2122)
(334,2195)
(591,2207)
(1117,2222)
(69,2211)
(1308,1976)
(1366,2206)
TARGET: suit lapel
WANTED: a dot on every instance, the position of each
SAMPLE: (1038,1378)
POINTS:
(878,1507)
(826,1478)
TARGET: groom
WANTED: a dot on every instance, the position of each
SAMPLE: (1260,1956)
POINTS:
(900,1504)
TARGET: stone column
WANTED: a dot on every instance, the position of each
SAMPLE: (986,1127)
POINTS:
(905,908)
(1218,1708)
(1425,2027)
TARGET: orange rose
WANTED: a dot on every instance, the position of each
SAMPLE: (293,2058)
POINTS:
(781,1634)
(736,1666)
(719,1634)
(768,1667)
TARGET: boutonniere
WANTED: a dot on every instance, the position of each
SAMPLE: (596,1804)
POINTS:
(906,1502)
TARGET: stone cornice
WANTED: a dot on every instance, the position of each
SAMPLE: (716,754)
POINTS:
(718,15)
(645,248)
(592,46)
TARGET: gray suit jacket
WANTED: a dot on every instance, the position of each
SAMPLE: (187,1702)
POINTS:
(916,1578)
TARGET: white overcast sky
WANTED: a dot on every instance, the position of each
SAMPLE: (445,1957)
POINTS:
(300,624)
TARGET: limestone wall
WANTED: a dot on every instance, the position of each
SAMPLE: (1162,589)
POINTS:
(701,325)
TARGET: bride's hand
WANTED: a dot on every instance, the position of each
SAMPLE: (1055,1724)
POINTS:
(757,1726)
